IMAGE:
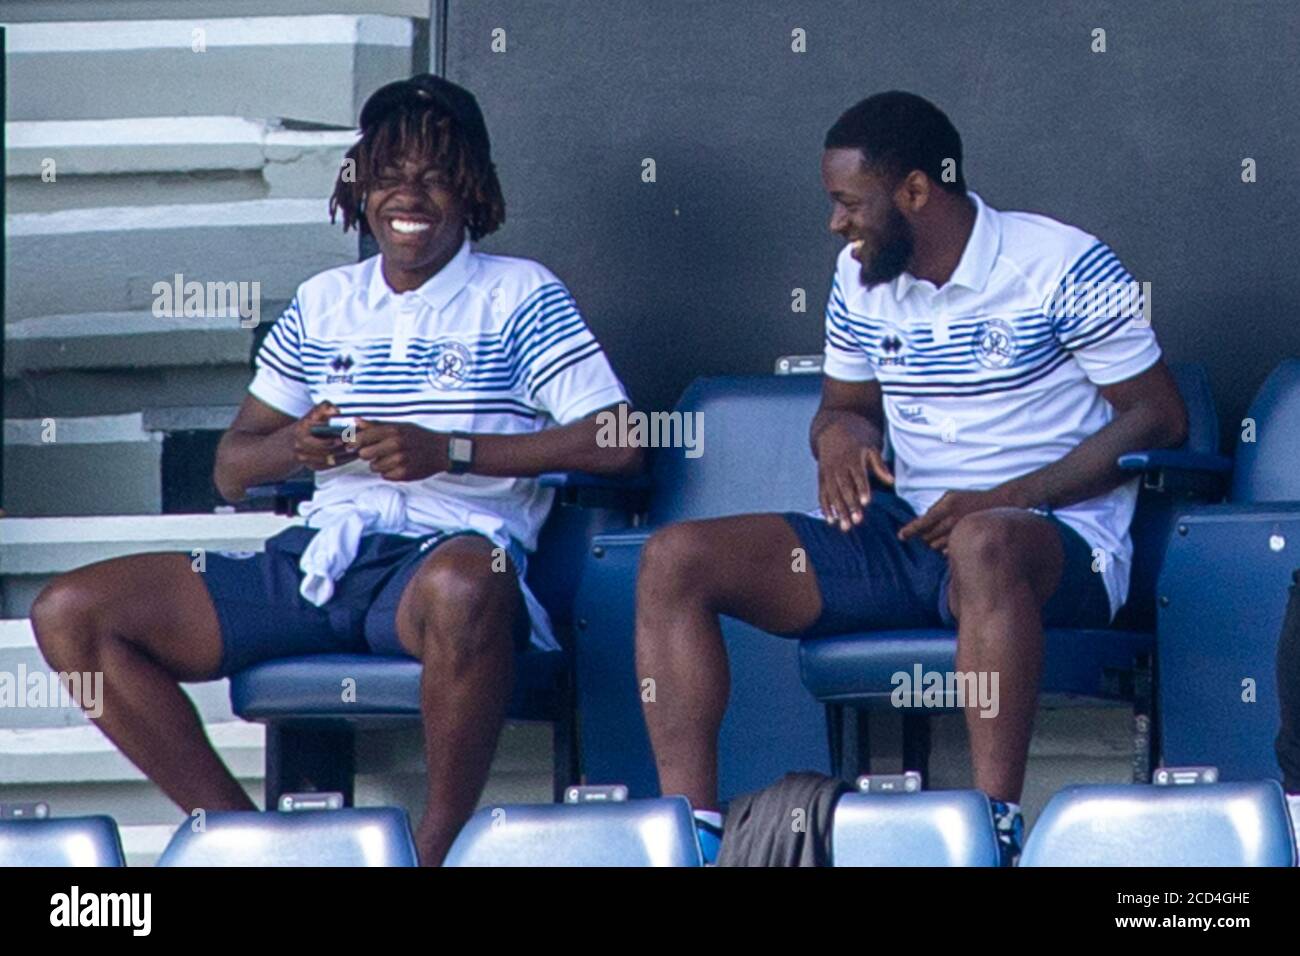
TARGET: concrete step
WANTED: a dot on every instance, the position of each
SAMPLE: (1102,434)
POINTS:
(51,755)
(169,160)
(134,464)
(54,545)
(125,340)
(147,819)
(126,259)
(144,843)
(22,667)
(313,68)
(82,466)
(79,393)
(129,802)
(43,11)
(33,550)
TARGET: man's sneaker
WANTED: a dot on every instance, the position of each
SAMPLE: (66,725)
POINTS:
(1010,826)
(709,835)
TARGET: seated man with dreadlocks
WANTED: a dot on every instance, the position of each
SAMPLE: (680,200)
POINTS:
(466,376)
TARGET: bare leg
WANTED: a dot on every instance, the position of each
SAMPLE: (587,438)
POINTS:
(458,617)
(146,622)
(690,573)
(1005,566)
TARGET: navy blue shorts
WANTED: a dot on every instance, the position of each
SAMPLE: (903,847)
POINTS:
(262,615)
(871,581)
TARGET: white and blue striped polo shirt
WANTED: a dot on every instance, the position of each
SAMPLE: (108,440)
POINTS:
(489,344)
(996,374)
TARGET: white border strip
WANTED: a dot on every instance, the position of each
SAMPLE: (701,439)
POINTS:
(96,430)
(84,36)
(253,212)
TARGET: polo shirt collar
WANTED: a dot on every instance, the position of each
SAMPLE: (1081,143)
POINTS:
(977,259)
(439,289)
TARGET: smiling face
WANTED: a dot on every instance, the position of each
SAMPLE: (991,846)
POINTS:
(416,217)
(863,212)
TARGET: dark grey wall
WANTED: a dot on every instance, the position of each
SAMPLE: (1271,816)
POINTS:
(692,275)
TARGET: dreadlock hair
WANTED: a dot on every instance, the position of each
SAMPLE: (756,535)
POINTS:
(415,130)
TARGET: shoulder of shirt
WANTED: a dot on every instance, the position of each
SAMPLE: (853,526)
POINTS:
(1042,247)
(516,277)
(330,290)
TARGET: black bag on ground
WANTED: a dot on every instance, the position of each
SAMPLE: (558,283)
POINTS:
(786,824)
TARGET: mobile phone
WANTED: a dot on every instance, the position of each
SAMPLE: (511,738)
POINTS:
(335,427)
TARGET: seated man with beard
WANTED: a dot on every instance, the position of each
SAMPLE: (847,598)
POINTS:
(1008,394)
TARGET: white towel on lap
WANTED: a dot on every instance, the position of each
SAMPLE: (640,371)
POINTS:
(347,510)
(380,509)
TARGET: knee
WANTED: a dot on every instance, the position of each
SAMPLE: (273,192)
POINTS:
(674,562)
(992,552)
(466,607)
(984,543)
(64,618)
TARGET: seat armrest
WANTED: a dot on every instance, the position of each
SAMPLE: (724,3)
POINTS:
(630,493)
(622,539)
(1186,474)
(287,494)
(1173,458)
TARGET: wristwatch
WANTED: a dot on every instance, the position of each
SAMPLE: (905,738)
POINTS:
(460,453)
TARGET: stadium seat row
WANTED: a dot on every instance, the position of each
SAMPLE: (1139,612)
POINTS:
(1220,824)
(585,574)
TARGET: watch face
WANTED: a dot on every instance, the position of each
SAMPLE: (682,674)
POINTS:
(460,450)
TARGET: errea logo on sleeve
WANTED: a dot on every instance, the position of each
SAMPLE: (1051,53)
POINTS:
(342,369)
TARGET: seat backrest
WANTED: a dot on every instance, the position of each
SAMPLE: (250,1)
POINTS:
(561,549)
(1222,824)
(1268,468)
(930,828)
(755,449)
(1193,382)
(756,458)
(659,832)
(369,836)
(62,841)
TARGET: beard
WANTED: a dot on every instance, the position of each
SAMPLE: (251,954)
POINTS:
(890,258)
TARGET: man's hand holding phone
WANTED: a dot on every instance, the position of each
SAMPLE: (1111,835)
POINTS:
(845,458)
(400,451)
(317,443)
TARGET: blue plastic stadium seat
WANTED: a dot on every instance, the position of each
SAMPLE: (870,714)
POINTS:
(310,724)
(859,667)
(307,687)
(1223,824)
(372,836)
(930,828)
(855,671)
(658,832)
(756,458)
(62,841)
(1223,591)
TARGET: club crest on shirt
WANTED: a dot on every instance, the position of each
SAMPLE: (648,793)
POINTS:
(995,344)
(449,365)
(342,369)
